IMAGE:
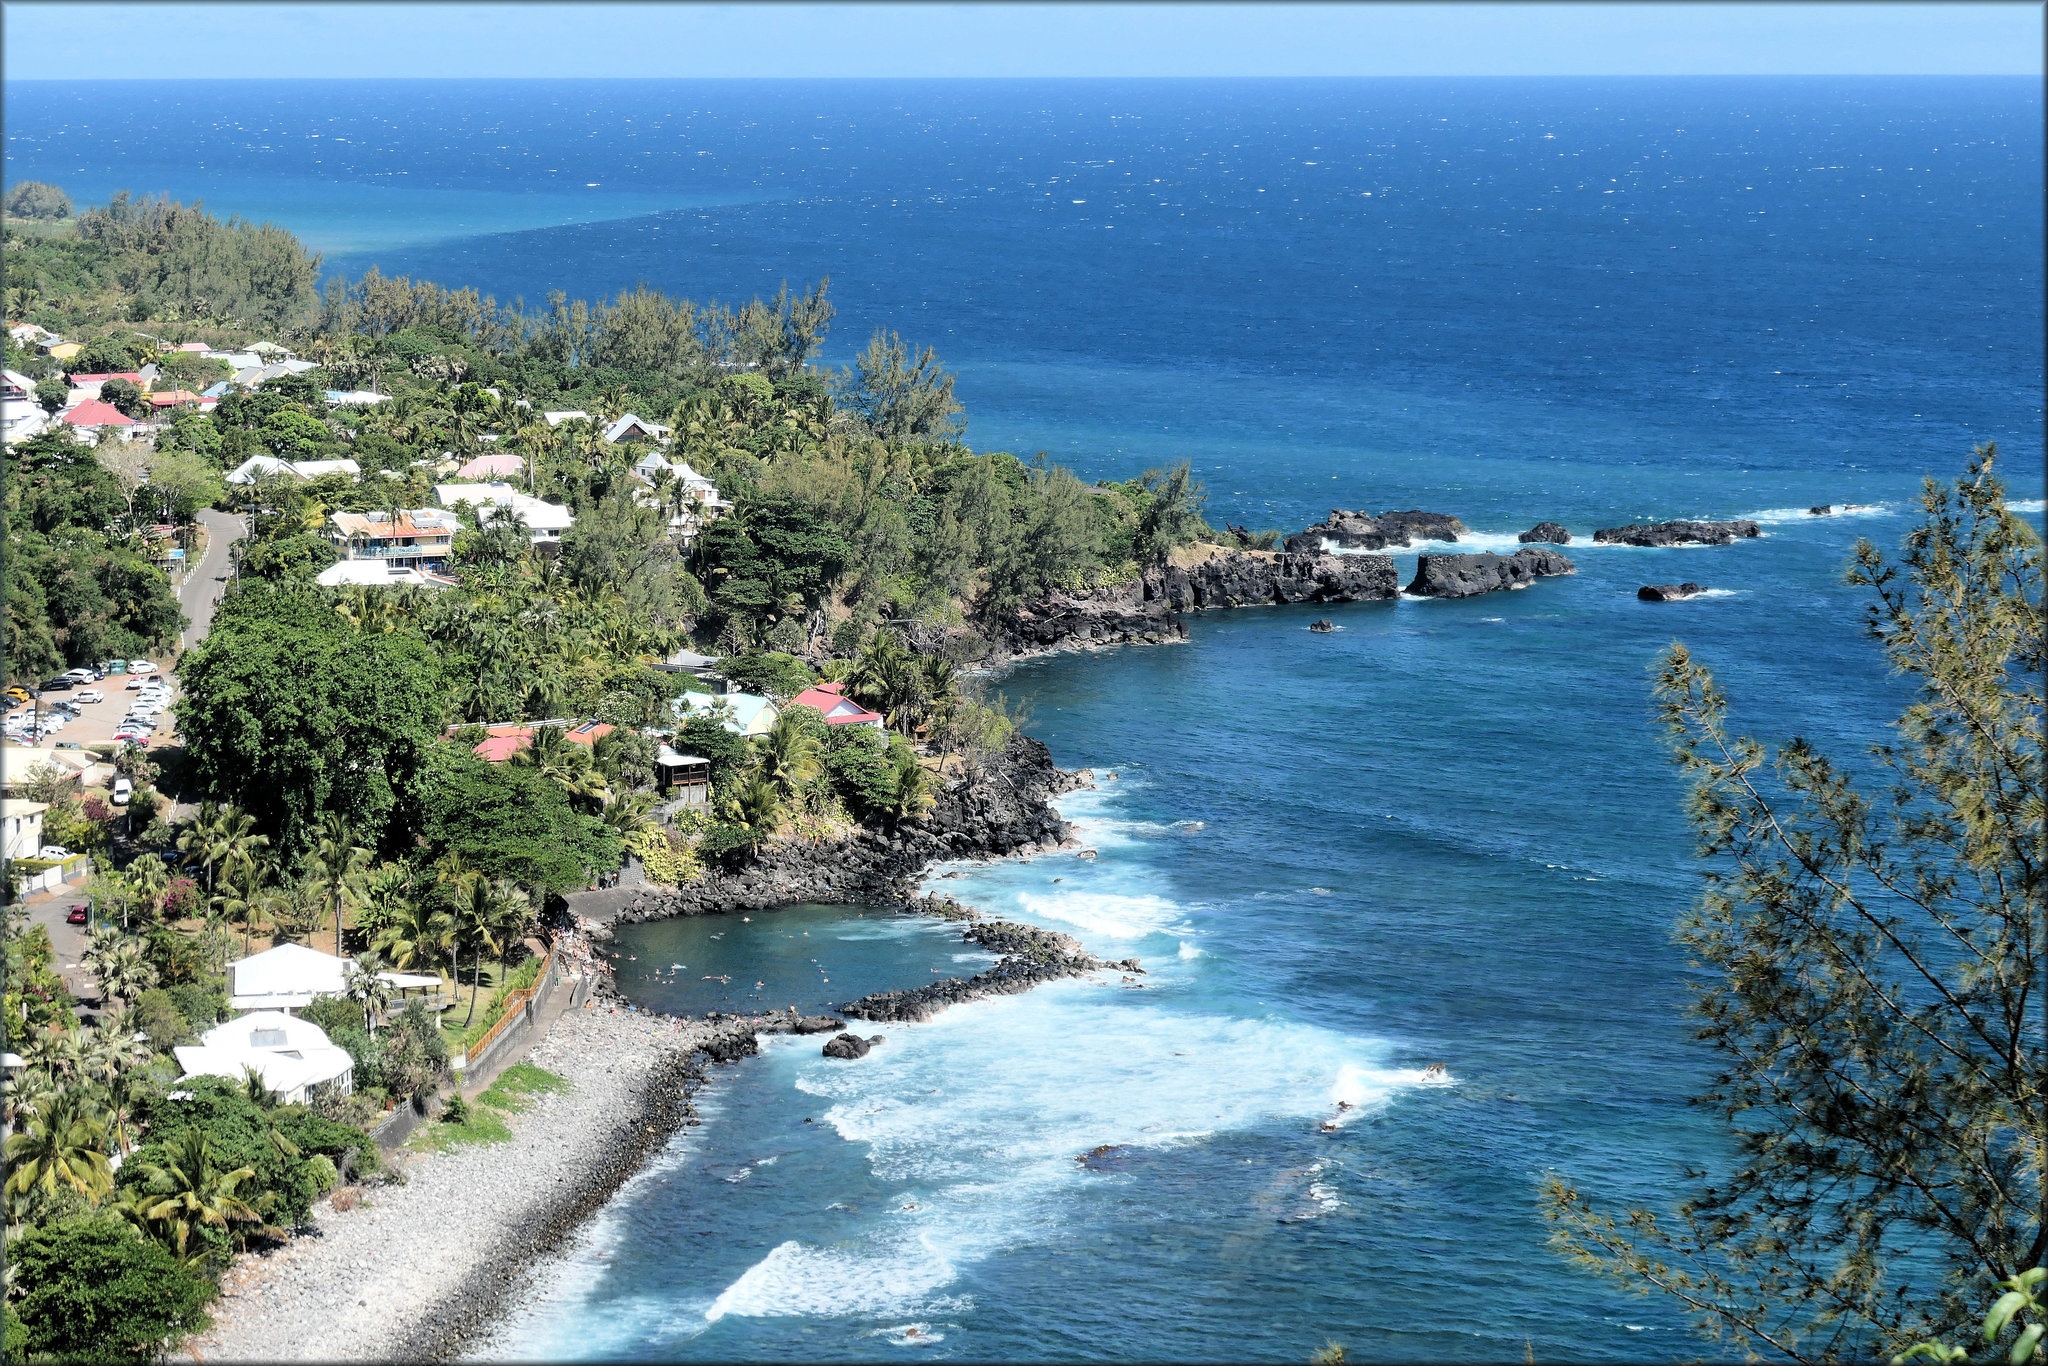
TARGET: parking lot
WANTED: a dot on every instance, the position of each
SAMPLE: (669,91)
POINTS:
(97,720)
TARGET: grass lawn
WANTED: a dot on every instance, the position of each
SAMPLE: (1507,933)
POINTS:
(511,1093)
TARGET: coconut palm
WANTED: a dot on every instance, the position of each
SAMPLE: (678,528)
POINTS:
(913,795)
(151,881)
(756,807)
(188,1190)
(789,755)
(333,869)
(125,974)
(206,841)
(368,988)
(487,912)
(60,1146)
(631,815)
(417,936)
(246,898)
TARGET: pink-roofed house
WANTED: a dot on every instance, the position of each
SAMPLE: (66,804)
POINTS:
(838,709)
(94,414)
(492,467)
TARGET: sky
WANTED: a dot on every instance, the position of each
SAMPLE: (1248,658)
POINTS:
(1040,40)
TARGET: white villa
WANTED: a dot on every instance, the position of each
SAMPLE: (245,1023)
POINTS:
(544,521)
(292,1056)
(289,976)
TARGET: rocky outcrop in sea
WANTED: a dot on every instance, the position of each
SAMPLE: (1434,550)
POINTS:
(1029,956)
(1004,807)
(1545,533)
(1343,530)
(1465,576)
(1669,592)
(1677,533)
(1262,578)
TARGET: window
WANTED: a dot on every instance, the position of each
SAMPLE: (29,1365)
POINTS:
(266,1038)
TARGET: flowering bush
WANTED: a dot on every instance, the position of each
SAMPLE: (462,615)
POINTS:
(182,898)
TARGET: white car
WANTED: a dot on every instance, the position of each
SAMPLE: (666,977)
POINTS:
(53,722)
(123,790)
(134,683)
(82,675)
(141,666)
(53,851)
(91,695)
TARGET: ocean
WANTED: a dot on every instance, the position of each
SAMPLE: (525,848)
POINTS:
(1446,833)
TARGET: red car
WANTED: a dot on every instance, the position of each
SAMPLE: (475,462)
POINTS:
(78,916)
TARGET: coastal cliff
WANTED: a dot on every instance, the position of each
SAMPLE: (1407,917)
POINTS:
(1003,807)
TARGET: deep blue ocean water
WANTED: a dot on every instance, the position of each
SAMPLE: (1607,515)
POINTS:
(1444,834)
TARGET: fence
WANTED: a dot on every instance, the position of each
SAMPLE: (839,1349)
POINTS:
(522,1009)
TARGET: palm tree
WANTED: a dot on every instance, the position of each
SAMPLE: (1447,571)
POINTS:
(567,764)
(205,841)
(188,1190)
(789,755)
(125,974)
(368,989)
(631,815)
(757,808)
(62,1146)
(151,880)
(239,842)
(489,913)
(332,871)
(417,936)
(913,795)
(246,901)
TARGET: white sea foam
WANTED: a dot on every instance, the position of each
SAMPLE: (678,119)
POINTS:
(1781,516)
(2025,505)
(826,1282)
(1188,950)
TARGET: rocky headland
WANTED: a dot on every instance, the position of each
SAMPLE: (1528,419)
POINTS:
(1677,533)
(1466,576)
(1003,807)
(1354,531)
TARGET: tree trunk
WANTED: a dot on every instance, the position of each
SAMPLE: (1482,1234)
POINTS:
(476,979)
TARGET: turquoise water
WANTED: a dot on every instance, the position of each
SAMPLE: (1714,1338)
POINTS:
(1443,834)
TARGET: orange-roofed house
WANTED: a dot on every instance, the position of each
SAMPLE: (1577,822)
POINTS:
(501,742)
(173,398)
(838,709)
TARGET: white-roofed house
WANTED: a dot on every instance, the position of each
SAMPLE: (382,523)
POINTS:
(544,521)
(258,467)
(289,976)
(378,574)
(742,713)
(293,1057)
(630,427)
(557,417)
(313,469)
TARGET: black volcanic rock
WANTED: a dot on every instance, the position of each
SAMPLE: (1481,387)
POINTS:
(1322,626)
(1254,578)
(1545,533)
(1669,592)
(1343,530)
(847,1046)
(1821,510)
(1465,576)
(1677,533)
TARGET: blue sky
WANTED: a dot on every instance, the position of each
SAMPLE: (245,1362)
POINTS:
(314,40)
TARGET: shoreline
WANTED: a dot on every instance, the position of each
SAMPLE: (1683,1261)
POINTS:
(416,1271)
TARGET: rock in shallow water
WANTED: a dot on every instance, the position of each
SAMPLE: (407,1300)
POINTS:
(1343,530)
(1669,592)
(1465,576)
(1545,533)
(1677,533)
(847,1046)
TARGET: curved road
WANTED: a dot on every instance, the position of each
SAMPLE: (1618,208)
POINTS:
(204,580)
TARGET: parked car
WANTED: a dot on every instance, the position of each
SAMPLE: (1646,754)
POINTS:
(132,736)
(17,693)
(141,666)
(78,915)
(54,722)
(67,744)
(83,675)
(123,789)
(92,695)
(53,851)
(59,683)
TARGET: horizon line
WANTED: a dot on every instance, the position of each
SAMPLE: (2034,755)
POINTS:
(2036,77)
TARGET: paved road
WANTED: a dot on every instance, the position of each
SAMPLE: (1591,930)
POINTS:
(206,580)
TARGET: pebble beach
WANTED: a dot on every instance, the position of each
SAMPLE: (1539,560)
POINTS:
(411,1270)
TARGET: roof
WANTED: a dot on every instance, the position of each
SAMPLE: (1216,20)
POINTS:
(94,413)
(559,416)
(132,376)
(745,707)
(292,975)
(354,398)
(506,739)
(538,514)
(378,574)
(258,467)
(491,467)
(670,758)
(838,709)
(313,469)
(287,1052)
(590,732)
(11,808)
(165,398)
(411,523)
(195,347)
(624,427)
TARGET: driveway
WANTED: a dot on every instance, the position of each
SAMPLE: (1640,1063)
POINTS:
(207,580)
(48,909)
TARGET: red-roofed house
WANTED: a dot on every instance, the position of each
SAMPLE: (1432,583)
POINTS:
(80,381)
(838,709)
(501,742)
(93,414)
(172,398)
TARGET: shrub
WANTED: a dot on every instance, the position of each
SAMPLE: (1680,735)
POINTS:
(158,1016)
(333,1014)
(93,1289)
(240,1131)
(771,673)
(857,761)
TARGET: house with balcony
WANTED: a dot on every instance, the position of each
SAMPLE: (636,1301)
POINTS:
(416,538)
(544,521)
